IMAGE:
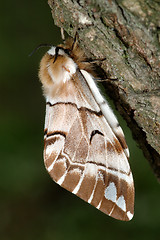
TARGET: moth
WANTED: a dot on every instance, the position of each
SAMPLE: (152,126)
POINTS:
(84,147)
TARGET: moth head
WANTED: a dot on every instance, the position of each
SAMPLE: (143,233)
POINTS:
(56,69)
(60,63)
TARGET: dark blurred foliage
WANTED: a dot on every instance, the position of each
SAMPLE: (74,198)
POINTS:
(32,206)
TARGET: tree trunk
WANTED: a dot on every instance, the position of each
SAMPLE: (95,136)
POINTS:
(127,34)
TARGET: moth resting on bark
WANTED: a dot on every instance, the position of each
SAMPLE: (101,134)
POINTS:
(84,147)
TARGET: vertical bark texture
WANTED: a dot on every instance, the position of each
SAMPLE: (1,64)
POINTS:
(127,34)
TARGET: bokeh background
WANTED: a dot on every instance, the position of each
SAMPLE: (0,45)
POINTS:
(32,206)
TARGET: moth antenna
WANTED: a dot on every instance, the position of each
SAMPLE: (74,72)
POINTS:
(38,47)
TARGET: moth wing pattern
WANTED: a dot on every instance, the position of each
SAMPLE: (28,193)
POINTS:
(83,154)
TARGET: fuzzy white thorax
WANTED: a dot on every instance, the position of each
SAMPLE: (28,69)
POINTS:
(64,70)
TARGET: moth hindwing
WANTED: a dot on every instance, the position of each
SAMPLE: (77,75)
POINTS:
(84,147)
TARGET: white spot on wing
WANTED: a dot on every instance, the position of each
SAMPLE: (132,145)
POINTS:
(121,203)
(111,192)
(129,215)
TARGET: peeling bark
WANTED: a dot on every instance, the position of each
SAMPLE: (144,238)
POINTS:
(127,34)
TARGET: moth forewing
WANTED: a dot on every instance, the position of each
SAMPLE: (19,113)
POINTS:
(85,150)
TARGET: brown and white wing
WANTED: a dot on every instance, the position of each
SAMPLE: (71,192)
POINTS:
(83,154)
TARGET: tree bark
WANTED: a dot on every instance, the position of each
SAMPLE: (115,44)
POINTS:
(127,34)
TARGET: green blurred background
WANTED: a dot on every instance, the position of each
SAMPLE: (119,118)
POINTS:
(32,206)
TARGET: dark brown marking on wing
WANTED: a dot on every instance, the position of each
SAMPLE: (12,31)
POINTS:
(110,147)
(122,141)
(56,133)
(110,168)
(79,108)
(118,146)
(94,132)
